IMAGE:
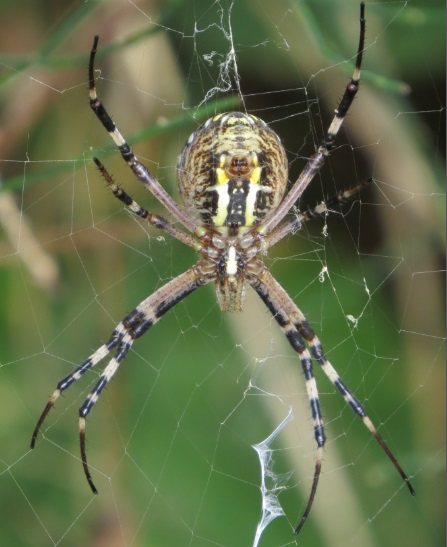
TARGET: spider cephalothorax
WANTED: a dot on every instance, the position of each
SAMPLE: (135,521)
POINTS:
(232,175)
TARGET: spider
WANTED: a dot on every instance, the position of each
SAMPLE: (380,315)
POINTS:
(232,176)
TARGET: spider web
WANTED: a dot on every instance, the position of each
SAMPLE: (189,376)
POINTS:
(205,437)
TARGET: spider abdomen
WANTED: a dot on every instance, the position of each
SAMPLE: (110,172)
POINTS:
(232,171)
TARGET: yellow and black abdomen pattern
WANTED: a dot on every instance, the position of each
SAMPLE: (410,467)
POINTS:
(235,173)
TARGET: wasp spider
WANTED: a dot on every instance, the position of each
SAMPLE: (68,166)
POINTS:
(232,173)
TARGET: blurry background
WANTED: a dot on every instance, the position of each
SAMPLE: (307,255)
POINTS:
(169,442)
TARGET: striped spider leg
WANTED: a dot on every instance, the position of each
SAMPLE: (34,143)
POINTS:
(316,161)
(322,208)
(140,170)
(134,325)
(298,332)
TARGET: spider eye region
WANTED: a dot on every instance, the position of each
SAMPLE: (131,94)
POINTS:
(243,166)
(232,171)
(238,165)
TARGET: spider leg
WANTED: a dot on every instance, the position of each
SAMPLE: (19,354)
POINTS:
(140,171)
(66,382)
(93,396)
(154,220)
(317,351)
(274,300)
(317,160)
(134,325)
(339,199)
(296,328)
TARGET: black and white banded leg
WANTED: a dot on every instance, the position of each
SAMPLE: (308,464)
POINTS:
(134,325)
(316,161)
(154,220)
(140,170)
(297,330)
(341,198)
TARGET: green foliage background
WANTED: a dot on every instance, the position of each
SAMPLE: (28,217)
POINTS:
(170,440)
